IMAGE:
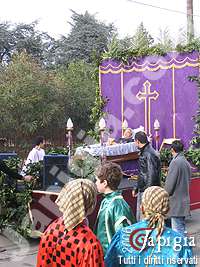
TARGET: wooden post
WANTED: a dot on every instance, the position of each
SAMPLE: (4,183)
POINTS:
(190,21)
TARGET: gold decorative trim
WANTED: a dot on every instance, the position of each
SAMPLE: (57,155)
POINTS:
(187,64)
(100,88)
(122,99)
(160,61)
(174,103)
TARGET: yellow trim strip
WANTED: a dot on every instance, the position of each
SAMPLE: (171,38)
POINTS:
(149,63)
(174,103)
(150,69)
(100,88)
(122,99)
(149,115)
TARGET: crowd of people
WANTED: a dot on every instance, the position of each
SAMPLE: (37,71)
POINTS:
(118,238)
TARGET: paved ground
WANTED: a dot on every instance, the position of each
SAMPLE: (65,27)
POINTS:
(25,255)
(193,228)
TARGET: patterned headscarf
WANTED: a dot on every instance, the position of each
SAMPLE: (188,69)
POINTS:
(155,202)
(76,201)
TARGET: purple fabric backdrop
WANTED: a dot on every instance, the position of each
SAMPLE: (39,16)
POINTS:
(152,88)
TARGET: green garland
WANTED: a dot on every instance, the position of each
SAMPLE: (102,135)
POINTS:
(196,139)
(15,197)
(14,202)
(134,54)
(83,166)
(116,51)
(96,114)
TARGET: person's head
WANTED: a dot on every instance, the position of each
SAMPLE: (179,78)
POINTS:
(141,139)
(39,141)
(109,176)
(155,206)
(176,147)
(76,201)
(128,133)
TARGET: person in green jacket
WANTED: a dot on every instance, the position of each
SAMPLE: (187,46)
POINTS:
(114,212)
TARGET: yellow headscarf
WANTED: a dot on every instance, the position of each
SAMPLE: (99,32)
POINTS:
(76,201)
(155,202)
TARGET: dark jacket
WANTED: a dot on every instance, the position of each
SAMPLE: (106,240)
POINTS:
(177,185)
(11,173)
(149,168)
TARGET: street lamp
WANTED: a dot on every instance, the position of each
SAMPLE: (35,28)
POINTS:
(69,129)
(156,126)
(102,128)
(124,126)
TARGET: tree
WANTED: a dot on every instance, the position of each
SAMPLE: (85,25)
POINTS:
(5,41)
(24,37)
(182,36)
(29,98)
(165,40)
(87,37)
(142,39)
(77,90)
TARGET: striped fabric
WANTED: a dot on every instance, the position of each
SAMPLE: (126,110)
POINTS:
(76,201)
(155,202)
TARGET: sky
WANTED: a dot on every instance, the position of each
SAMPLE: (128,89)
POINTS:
(54,15)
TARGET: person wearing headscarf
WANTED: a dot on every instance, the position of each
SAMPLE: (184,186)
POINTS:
(149,242)
(68,241)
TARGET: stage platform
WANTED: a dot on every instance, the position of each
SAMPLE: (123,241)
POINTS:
(43,209)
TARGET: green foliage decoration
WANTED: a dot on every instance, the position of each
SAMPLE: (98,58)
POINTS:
(133,52)
(193,155)
(193,45)
(196,139)
(83,166)
(96,114)
(165,157)
(14,203)
(115,51)
(57,150)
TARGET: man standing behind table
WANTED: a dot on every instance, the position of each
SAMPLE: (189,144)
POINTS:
(149,169)
(36,154)
(127,137)
(177,186)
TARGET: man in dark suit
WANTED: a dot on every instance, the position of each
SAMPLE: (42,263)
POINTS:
(177,186)
(149,169)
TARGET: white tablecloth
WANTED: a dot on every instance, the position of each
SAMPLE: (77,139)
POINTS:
(114,150)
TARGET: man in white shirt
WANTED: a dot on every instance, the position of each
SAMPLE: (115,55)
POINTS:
(36,154)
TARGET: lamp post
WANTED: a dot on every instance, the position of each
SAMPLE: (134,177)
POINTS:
(102,128)
(69,129)
(124,126)
(156,126)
